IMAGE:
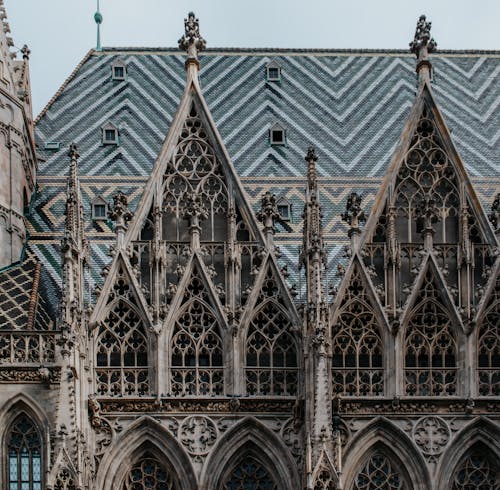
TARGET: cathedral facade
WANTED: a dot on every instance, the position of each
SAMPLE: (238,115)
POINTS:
(252,270)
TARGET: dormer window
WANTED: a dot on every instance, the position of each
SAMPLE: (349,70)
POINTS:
(277,135)
(273,71)
(284,208)
(109,134)
(99,209)
(118,70)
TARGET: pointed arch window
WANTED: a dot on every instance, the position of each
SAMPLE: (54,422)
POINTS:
(379,472)
(150,473)
(476,470)
(196,346)
(357,363)
(249,473)
(122,353)
(65,481)
(488,351)
(271,353)
(324,480)
(24,451)
(430,347)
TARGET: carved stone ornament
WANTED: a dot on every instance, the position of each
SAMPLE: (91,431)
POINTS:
(198,434)
(191,41)
(431,435)
(495,212)
(353,214)
(422,37)
(120,208)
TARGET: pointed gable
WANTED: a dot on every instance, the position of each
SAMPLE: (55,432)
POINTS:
(427,202)
(358,330)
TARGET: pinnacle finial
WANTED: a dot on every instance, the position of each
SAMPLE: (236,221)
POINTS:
(73,152)
(423,44)
(311,159)
(354,214)
(495,213)
(191,41)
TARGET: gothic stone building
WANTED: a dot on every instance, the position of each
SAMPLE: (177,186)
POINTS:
(187,303)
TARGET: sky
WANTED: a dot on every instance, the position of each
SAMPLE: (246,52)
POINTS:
(60,32)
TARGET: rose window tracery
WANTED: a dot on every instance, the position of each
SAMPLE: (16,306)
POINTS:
(122,353)
(379,474)
(250,474)
(430,347)
(357,363)
(149,474)
(197,362)
(271,353)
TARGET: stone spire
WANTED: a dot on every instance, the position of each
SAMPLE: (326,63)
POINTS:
(73,245)
(192,43)
(316,331)
(423,45)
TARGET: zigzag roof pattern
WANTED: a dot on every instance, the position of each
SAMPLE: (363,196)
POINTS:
(350,105)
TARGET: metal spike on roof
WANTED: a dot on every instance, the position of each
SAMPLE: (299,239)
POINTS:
(98,21)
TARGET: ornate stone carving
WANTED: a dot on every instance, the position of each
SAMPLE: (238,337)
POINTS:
(494,216)
(422,38)
(191,41)
(353,214)
(268,213)
(431,434)
(198,434)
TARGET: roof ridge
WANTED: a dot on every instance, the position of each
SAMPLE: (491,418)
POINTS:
(296,50)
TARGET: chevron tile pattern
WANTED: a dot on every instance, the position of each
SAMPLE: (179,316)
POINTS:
(352,106)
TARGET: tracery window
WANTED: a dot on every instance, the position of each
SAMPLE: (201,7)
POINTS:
(122,353)
(194,169)
(357,364)
(197,361)
(324,480)
(430,347)
(64,481)
(271,353)
(250,474)
(379,473)
(149,473)
(427,172)
(476,471)
(488,350)
(24,450)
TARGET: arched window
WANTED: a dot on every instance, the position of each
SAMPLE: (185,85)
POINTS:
(357,364)
(24,450)
(430,347)
(476,471)
(271,353)
(488,352)
(150,473)
(197,363)
(122,353)
(249,474)
(379,473)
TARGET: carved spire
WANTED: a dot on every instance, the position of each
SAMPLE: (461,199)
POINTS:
(121,214)
(73,245)
(353,216)
(495,214)
(423,45)
(268,214)
(191,41)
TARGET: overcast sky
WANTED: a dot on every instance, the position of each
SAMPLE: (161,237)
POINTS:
(60,32)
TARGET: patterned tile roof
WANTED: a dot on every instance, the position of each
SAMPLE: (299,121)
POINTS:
(351,105)
(27,298)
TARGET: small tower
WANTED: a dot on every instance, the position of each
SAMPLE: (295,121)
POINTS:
(17,148)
